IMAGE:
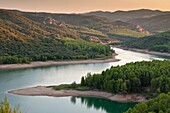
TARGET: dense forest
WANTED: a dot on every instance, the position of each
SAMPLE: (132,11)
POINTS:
(160,104)
(51,49)
(159,42)
(145,76)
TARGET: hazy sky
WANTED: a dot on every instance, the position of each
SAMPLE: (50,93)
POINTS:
(78,6)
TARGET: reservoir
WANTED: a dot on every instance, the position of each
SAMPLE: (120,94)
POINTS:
(64,74)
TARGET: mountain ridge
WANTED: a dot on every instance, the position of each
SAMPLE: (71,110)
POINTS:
(127,15)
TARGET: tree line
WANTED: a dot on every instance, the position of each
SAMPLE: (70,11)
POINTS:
(159,42)
(51,49)
(145,76)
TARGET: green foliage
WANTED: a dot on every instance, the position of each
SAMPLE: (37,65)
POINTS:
(64,86)
(132,77)
(159,42)
(160,104)
(6,108)
(72,86)
(13,60)
(162,48)
(51,49)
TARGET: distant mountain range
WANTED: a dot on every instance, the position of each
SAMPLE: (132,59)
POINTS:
(154,21)
(128,15)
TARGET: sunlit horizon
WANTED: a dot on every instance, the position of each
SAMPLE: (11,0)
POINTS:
(41,11)
(81,6)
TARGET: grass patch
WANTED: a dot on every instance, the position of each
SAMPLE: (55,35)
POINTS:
(72,86)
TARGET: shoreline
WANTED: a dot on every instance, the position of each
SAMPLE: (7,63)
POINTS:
(53,63)
(144,51)
(43,91)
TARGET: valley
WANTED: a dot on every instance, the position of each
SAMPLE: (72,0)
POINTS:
(95,62)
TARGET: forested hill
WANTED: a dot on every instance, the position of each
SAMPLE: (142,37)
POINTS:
(159,104)
(159,42)
(23,40)
(140,77)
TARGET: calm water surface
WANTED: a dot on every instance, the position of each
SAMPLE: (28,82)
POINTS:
(19,78)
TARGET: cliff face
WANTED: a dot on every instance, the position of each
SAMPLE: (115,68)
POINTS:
(142,30)
(53,22)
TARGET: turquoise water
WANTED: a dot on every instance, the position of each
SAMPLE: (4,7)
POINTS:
(50,75)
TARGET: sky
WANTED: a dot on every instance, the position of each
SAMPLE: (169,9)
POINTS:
(81,6)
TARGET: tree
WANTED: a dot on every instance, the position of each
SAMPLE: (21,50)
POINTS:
(82,81)
(6,108)
(159,104)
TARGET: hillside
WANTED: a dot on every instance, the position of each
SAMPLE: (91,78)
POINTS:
(124,31)
(127,15)
(29,28)
(159,42)
(23,40)
(154,24)
(72,19)
(102,26)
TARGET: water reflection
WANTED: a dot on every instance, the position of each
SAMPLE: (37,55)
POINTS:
(102,104)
